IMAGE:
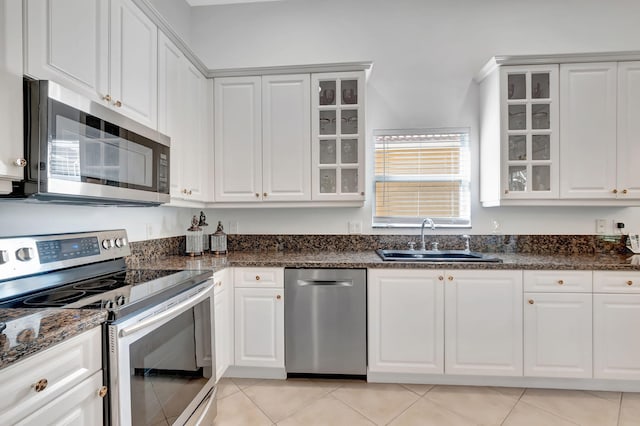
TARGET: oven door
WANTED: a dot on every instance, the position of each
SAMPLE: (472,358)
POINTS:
(161,364)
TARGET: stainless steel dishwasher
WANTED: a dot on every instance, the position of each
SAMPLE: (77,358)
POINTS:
(325,321)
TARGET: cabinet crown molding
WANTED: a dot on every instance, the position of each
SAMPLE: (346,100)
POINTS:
(556,58)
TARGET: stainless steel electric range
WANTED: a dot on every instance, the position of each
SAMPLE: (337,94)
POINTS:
(159,334)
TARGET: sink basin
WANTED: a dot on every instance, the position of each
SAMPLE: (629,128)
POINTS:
(435,256)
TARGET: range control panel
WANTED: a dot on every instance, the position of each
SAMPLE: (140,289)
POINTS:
(22,256)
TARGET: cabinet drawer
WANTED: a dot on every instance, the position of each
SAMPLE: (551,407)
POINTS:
(558,281)
(259,277)
(616,282)
(63,367)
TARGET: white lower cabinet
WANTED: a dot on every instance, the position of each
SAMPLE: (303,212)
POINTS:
(483,322)
(222,294)
(406,321)
(470,319)
(58,386)
(81,406)
(557,335)
(616,315)
(259,320)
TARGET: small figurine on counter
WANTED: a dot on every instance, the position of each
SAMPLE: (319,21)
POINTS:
(194,224)
(203,220)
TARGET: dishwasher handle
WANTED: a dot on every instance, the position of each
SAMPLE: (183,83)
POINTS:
(332,283)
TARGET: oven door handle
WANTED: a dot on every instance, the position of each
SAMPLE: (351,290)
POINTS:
(166,314)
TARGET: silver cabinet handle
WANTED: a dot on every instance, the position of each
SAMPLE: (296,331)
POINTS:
(344,283)
(168,313)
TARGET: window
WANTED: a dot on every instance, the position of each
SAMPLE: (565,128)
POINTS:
(422,173)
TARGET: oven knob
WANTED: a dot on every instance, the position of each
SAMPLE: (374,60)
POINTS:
(108,304)
(107,244)
(120,242)
(4,257)
(24,254)
(120,300)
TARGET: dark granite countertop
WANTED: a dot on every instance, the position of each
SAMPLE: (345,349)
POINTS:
(29,331)
(369,259)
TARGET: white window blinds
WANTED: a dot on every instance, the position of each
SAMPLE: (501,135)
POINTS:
(422,173)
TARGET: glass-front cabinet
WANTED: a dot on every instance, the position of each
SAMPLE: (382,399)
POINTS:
(338,136)
(529,131)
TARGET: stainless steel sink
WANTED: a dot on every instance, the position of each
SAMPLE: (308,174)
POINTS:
(435,256)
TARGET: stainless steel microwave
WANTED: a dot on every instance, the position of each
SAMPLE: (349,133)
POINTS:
(81,152)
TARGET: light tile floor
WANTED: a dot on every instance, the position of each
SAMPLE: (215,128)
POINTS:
(305,402)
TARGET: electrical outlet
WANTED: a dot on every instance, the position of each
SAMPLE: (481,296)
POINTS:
(601,226)
(355,227)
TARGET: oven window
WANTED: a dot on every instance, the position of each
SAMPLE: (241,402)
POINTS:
(79,152)
(170,365)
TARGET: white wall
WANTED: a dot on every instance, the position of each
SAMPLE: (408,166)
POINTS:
(28,218)
(425,54)
(178,15)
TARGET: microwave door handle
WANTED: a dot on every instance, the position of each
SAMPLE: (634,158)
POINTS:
(168,313)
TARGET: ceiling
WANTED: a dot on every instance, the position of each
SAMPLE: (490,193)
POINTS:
(218,2)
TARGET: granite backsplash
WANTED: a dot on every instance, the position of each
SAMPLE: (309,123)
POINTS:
(152,250)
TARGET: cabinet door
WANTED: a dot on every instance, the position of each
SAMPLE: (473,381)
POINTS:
(221,312)
(11,130)
(338,101)
(557,335)
(483,322)
(134,63)
(616,347)
(628,129)
(529,118)
(68,42)
(259,327)
(171,113)
(80,406)
(286,138)
(194,155)
(588,130)
(238,139)
(406,321)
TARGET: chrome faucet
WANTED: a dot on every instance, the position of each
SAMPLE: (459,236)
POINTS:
(467,246)
(433,228)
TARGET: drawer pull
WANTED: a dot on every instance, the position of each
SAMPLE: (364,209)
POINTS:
(629,282)
(41,385)
(278,297)
(560,282)
(531,302)
(102,392)
(441,278)
(257,277)
(450,278)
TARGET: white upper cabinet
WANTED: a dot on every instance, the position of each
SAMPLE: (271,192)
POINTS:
(286,146)
(238,139)
(338,136)
(57,32)
(134,63)
(588,130)
(11,131)
(183,96)
(560,134)
(529,118)
(262,138)
(628,129)
(106,51)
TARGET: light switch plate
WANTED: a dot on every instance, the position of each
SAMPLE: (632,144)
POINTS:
(601,226)
(355,227)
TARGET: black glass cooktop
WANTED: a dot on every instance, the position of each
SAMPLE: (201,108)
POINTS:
(107,291)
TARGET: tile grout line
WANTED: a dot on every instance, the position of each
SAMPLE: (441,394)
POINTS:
(410,405)
(256,405)
(513,408)
(620,408)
